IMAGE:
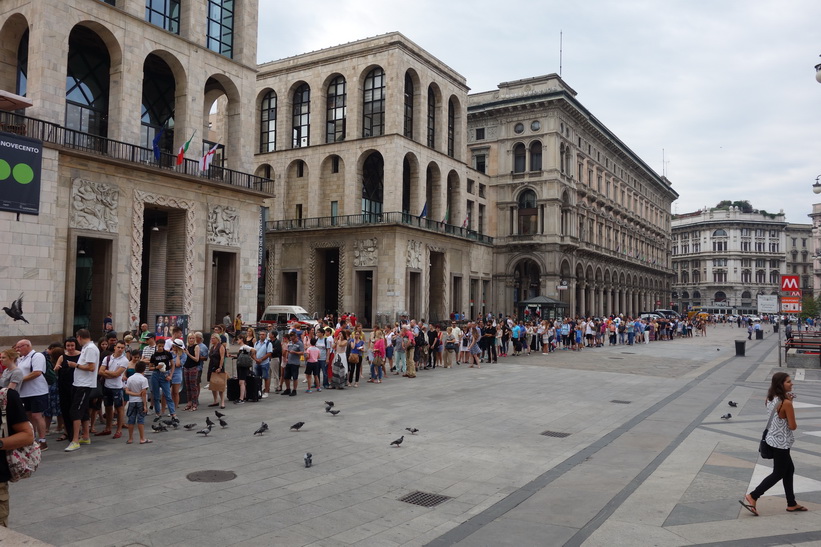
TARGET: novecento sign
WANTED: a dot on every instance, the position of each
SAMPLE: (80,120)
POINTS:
(21,159)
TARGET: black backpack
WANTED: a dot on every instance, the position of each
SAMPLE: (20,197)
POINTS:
(244,360)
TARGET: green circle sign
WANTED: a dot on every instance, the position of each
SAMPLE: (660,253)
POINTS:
(23,173)
(5,170)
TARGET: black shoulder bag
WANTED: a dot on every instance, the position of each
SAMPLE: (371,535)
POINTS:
(764,449)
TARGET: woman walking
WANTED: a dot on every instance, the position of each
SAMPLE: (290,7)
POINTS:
(780,438)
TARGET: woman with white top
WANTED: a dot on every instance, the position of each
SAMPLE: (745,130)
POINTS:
(780,438)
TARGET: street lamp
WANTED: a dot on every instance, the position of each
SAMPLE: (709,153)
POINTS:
(817,186)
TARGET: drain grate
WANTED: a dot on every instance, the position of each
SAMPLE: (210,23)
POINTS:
(424,499)
(211,476)
(557,434)
(620,402)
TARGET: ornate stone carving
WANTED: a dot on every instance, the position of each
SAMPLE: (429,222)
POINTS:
(138,216)
(340,303)
(94,206)
(223,225)
(414,254)
(365,252)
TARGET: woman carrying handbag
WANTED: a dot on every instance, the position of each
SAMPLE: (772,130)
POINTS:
(779,437)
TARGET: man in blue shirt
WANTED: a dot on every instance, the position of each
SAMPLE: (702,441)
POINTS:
(263,349)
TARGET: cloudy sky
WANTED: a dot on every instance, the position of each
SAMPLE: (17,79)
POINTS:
(725,87)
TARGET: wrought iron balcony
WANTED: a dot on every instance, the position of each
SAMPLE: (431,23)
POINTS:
(77,140)
(371,219)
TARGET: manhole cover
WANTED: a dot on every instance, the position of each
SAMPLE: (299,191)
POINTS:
(211,476)
(619,402)
(424,499)
(557,434)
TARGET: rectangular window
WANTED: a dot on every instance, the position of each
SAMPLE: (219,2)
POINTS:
(469,209)
(298,211)
(300,168)
(481,226)
(480,163)
(804,242)
(334,212)
(335,164)
(480,133)
(470,186)
(745,232)
(481,190)
(163,13)
(219,33)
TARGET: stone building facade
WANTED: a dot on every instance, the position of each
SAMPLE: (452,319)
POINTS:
(122,227)
(375,211)
(724,258)
(579,217)
(799,255)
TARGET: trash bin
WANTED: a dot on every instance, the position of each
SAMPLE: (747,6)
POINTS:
(740,345)
(759,335)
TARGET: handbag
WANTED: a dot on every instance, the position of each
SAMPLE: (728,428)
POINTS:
(22,461)
(764,449)
(353,358)
(450,346)
(218,381)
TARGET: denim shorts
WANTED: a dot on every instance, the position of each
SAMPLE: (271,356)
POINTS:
(136,413)
(113,397)
(263,370)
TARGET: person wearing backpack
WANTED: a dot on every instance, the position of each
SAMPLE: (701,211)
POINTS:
(34,389)
(17,433)
(244,364)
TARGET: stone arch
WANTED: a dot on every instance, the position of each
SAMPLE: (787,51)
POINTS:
(332,186)
(370,170)
(410,184)
(265,124)
(11,35)
(527,273)
(221,119)
(433,116)
(434,190)
(454,190)
(456,108)
(332,117)
(296,188)
(412,106)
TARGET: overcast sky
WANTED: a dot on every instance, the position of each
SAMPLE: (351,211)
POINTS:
(725,87)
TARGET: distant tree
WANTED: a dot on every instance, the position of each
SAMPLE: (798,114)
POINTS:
(809,307)
(724,204)
(743,205)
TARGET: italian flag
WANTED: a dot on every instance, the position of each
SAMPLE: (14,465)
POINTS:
(184,149)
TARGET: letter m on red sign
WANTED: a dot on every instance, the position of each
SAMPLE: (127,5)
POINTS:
(790,283)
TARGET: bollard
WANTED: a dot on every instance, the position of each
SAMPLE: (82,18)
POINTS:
(739,347)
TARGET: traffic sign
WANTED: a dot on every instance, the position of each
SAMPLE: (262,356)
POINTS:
(790,283)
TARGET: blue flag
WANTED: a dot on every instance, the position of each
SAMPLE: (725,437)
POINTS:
(424,211)
(157,143)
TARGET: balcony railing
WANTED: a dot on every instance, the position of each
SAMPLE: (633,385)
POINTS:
(370,219)
(101,146)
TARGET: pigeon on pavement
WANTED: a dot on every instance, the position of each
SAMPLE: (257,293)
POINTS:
(16,310)
(223,423)
(727,416)
(204,431)
(189,427)
(219,414)
(308,462)
(208,421)
(398,441)
(334,412)
(329,403)
(413,430)
(732,404)
(159,428)
(297,425)
(262,429)
(327,409)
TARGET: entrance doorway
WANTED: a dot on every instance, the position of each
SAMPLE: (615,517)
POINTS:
(162,278)
(289,288)
(456,295)
(326,298)
(224,285)
(92,284)
(436,304)
(414,290)
(364,297)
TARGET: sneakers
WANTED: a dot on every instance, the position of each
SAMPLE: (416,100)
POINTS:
(286,392)
(292,394)
(265,395)
(308,391)
(239,402)
(207,386)
(85,441)
(43,445)
(72,447)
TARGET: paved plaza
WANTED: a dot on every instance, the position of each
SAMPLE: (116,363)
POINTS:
(636,454)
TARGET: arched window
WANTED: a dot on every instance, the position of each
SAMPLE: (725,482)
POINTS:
(302,117)
(157,104)
(451,126)
(373,172)
(536,156)
(373,104)
(760,276)
(528,213)
(431,117)
(746,295)
(406,186)
(720,296)
(519,155)
(408,106)
(268,123)
(775,277)
(685,277)
(23,64)
(696,276)
(87,83)
(746,276)
(337,97)
(685,294)
(720,233)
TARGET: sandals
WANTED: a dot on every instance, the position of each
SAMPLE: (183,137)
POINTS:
(749,504)
(796,509)
(62,437)
(117,435)
(129,441)
(103,433)
(147,441)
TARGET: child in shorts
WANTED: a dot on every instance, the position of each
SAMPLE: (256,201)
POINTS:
(137,390)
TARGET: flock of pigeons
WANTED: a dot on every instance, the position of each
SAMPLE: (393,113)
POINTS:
(728,415)
(260,431)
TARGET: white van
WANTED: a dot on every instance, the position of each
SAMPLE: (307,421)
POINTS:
(282,317)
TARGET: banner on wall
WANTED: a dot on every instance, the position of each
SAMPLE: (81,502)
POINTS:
(21,160)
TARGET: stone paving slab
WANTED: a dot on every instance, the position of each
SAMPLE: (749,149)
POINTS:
(661,469)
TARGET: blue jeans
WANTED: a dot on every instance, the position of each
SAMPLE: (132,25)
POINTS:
(400,361)
(323,372)
(158,383)
(376,372)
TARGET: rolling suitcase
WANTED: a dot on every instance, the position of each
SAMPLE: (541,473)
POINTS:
(232,389)
(253,388)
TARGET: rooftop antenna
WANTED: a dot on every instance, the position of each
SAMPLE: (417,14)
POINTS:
(560,54)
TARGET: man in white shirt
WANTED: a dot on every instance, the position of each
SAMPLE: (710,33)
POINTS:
(34,389)
(85,379)
(112,369)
